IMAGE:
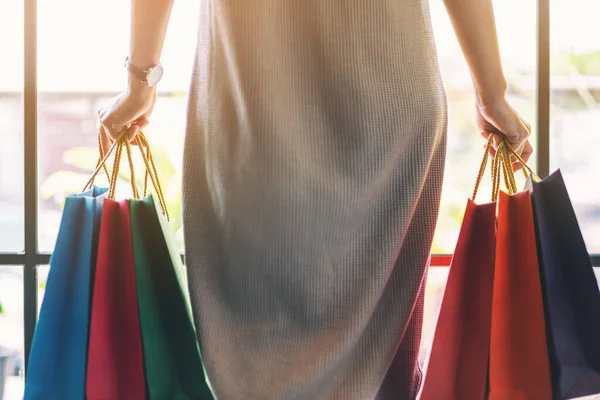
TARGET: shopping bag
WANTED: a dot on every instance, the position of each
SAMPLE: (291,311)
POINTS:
(115,368)
(571,295)
(457,363)
(172,360)
(519,366)
(57,362)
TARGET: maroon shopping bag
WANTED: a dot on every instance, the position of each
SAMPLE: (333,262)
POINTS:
(115,366)
(458,360)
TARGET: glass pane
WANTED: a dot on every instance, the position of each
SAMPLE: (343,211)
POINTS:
(72,91)
(517,37)
(11,127)
(11,332)
(436,283)
(575,108)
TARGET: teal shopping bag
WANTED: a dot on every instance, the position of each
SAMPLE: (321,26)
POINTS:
(57,363)
(172,360)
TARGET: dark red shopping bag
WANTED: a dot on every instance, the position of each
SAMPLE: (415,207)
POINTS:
(519,364)
(457,364)
(115,367)
(458,360)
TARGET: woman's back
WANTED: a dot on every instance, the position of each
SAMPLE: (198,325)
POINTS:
(312,177)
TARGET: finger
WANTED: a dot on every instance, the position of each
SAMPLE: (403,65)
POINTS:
(105,139)
(519,139)
(132,131)
(114,120)
(135,128)
(495,139)
(527,151)
(492,150)
(111,129)
(101,112)
(525,155)
(142,122)
(517,166)
(527,126)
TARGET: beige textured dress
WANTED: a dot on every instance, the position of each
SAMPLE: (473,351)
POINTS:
(314,159)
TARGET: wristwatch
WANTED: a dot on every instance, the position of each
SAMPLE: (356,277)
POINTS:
(150,76)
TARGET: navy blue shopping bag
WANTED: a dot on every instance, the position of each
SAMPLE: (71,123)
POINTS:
(57,363)
(570,289)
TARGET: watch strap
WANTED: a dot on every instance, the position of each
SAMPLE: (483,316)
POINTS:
(136,71)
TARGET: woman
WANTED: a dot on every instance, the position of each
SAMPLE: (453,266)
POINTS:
(314,158)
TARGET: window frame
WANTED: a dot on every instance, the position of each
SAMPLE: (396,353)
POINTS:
(31,258)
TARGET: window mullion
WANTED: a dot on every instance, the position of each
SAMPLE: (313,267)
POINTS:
(30,172)
(543,88)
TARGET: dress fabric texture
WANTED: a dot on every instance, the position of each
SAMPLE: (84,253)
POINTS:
(313,166)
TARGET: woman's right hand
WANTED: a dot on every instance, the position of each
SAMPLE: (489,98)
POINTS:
(132,109)
(501,119)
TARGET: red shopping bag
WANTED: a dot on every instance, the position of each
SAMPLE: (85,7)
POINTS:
(458,360)
(519,363)
(115,368)
(457,364)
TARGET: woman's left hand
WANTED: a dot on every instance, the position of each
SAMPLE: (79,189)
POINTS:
(131,109)
(502,120)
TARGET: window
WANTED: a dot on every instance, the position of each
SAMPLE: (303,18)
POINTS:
(575,108)
(517,37)
(69,99)
(11,128)
(35,177)
(11,331)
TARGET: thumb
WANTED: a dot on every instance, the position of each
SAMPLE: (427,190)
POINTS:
(517,132)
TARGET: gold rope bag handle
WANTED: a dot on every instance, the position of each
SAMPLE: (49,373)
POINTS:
(117,147)
(507,152)
(501,168)
(99,164)
(495,172)
(151,172)
(121,142)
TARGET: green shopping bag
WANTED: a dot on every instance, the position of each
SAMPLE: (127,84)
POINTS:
(173,368)
(172,360)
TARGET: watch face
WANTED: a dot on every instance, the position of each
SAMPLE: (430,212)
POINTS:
(154,75)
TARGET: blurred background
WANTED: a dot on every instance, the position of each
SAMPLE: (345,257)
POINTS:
(73,33)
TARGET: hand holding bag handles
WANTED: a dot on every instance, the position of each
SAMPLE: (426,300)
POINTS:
(163,329)
(490,336)
(115,363)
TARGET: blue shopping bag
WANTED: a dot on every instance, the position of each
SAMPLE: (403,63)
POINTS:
(57,363)
(570,289)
